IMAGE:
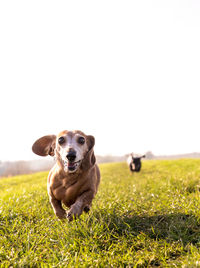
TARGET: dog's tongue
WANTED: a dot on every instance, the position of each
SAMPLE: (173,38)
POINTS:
(70,164)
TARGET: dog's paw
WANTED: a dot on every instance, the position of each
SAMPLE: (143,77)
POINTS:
(86,209)
(74,212)
(61,215)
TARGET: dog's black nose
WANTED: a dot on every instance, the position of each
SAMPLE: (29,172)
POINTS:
(71,156)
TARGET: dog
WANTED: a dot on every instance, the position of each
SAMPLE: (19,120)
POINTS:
(134,162)
(74,179)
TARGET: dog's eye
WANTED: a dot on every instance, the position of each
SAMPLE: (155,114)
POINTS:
(81,140)
(61,140)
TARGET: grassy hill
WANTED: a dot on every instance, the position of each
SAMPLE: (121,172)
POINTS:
(139,220)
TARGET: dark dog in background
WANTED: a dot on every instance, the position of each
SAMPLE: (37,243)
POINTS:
(134,162)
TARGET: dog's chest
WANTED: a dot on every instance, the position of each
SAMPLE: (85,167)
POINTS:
(66,191)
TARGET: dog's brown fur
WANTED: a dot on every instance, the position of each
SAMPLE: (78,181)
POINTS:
(74,190)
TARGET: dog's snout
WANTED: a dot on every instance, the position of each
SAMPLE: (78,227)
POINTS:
(71,155)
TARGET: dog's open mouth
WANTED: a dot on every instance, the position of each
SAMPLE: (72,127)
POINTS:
(71,166)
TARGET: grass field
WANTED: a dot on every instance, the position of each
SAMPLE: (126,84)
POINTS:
(149,219)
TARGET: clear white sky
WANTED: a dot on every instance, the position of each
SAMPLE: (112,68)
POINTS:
(127,72)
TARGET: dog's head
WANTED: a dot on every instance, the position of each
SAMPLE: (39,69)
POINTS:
(73,149)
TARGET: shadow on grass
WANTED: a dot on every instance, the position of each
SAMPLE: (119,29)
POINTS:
(171,227)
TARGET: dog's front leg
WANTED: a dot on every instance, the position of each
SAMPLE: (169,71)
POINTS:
(83,202)
(57,207)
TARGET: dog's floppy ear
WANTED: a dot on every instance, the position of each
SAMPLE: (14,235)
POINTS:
(45,145)
(142,156)
(89,159)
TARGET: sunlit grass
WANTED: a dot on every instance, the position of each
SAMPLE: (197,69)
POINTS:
(147,219)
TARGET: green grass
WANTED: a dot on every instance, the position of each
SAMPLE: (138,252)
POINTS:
(149,219)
